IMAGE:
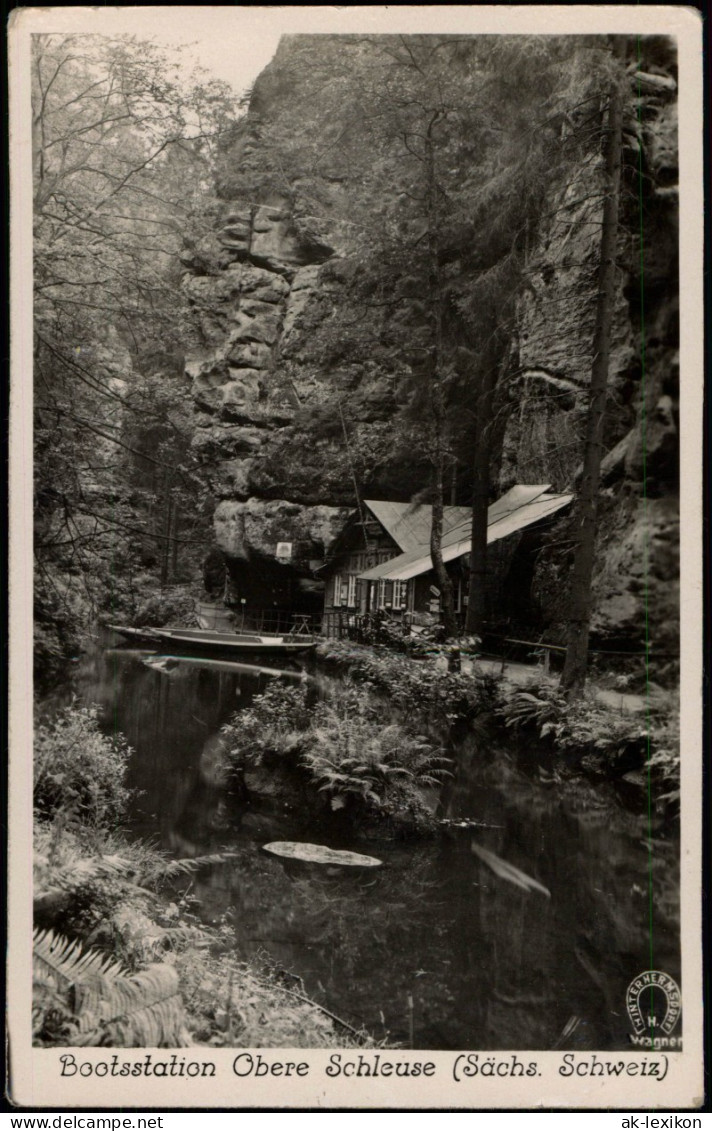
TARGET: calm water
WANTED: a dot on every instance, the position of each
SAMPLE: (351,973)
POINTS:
(486,964)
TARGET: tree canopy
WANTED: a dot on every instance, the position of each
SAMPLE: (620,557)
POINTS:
(124,152)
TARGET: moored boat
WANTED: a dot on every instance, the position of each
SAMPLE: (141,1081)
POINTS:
(240,642)
(135,635)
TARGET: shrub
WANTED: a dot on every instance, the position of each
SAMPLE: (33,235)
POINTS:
(420,686)
(273,724)
(171,606)
(587,725)
(78,771)
(340,748)
(59,611)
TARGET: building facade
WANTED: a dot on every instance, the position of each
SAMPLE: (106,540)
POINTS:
(382,562)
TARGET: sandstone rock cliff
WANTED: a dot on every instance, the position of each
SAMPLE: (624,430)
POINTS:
(262,374)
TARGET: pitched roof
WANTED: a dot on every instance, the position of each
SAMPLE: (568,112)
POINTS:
(409,523)
(519,507)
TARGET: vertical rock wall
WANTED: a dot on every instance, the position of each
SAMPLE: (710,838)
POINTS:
(636,568)
(244,314)
(262,294)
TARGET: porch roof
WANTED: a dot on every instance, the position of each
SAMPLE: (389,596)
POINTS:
(519,507)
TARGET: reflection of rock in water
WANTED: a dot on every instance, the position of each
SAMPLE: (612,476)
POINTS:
(265,826)
(162,664)
(212,767)
(203,822)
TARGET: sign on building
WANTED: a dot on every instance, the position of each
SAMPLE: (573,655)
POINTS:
(284,551)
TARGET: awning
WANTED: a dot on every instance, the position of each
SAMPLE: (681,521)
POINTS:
(520,507)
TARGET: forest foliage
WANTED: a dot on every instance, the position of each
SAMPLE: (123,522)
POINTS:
(427,170)
(124,148)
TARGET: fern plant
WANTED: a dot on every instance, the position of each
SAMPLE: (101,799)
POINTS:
(353,755)
(142,874)
(590,726)
(109,898)
(88,998)
(272,724)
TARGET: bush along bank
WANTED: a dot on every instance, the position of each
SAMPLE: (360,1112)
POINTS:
(119,957)
(337,758)
(585,735)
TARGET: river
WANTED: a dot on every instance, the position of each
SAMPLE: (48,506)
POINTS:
(435,949)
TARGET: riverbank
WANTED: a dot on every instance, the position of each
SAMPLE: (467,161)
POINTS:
(603,733)
(120,956)
(335,759)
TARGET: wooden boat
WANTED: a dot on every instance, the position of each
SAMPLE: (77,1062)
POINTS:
(271,643)
(135,635)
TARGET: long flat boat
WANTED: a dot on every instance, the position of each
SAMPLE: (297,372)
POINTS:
(135,635)
(237,642)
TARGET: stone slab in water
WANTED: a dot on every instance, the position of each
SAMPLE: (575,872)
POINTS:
(320,854)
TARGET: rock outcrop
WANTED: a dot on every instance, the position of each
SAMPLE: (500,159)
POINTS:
(638,542)
(243,318)
(270,383)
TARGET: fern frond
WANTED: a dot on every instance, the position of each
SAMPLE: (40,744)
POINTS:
(64,961)
(83,871)
(144,1010)
(193,935)
(101,1003)
(174,868)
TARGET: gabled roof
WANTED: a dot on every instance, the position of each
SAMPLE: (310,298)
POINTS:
(519,507)
(409,523)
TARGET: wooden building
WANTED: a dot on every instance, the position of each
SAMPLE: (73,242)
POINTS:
(382,561)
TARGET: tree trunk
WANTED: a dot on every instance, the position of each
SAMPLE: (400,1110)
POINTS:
(436,555)
(175,545)
(166,537)
(573,676)
(437,393)
(477,588)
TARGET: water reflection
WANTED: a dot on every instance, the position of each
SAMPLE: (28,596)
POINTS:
(486,964)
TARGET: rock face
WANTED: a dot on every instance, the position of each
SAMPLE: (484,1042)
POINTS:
(244,318)
(265,370)
(636,569)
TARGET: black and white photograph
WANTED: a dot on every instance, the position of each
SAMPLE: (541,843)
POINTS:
(348,408)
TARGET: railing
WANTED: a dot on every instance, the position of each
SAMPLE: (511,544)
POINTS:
(378,627)
(402,636)
(265,621)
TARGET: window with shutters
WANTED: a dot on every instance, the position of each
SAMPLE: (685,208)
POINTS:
(351,592)
(337,590)
(400,594)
